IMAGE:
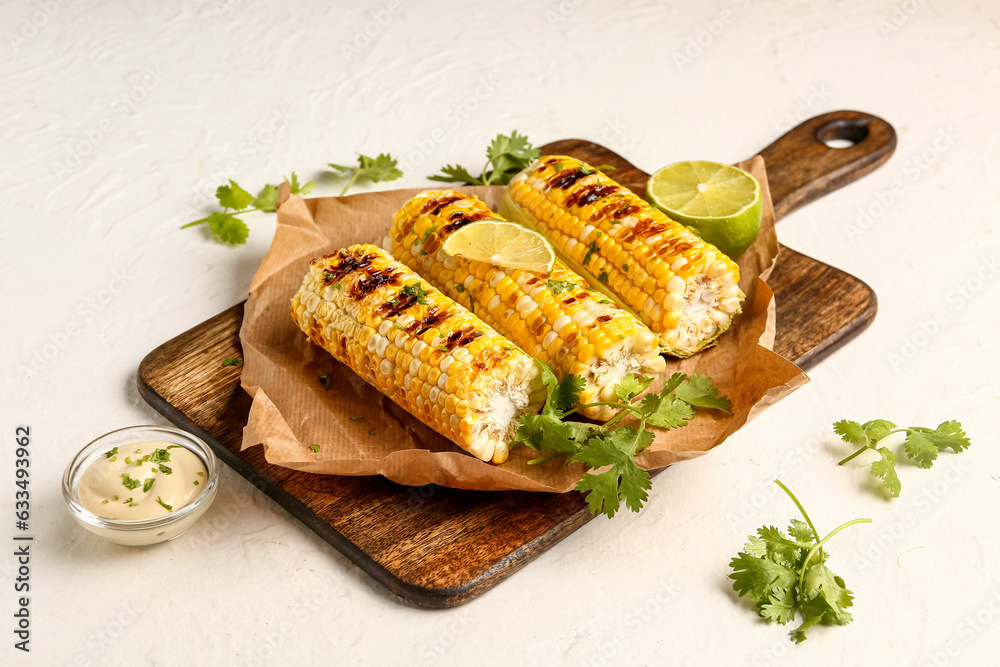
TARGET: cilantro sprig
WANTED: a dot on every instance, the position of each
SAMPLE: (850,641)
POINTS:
(922,445)
(505,156)
(786,575)
(612,444)
(375,169)
(226,226)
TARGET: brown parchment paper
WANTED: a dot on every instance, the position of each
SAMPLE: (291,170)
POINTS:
(291,410)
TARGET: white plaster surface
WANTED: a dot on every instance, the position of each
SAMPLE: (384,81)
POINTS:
(161,101)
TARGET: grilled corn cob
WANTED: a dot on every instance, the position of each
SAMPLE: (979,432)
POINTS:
(681,287)
(419,348)
(557,317)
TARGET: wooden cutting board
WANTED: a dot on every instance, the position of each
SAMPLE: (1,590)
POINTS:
(439,547)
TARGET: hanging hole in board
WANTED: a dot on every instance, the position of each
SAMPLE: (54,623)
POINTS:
(843,133)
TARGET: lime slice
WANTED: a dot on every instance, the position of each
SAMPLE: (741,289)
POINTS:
(504,244)
(719,202)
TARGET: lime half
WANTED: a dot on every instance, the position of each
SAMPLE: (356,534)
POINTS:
(504,244)
(719,202)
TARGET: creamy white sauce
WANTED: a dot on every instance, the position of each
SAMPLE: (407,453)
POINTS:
(142,481)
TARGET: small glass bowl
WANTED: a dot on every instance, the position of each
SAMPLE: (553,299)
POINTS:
(145,532)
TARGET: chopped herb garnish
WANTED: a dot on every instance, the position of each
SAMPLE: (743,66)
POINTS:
(371,431)
(196,482)
(459,288)
(357,417)
(591,249)
(603,277)
(200,474)
(159,456)
(329,275)
(114,458)
(104,502)
(441,348)
(128,482)
(231,361)
(324,380)
(417,290)
(127,501)
(111,452)
(114,497)
(314,447)
(128,460)
(338,286)
(397,325)
(560,286)
(428,233)
(169,508)
(603,301)
(621,337)
(172,446)
(147,485)
(624,267)
(164,469)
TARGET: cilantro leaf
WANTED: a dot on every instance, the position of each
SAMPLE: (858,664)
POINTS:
(560,286)
(801,532)
(297,189)
(376,169)
(922,445)
(228,228)
(231,361)
(508,155)
(505,156)
(949,434)
(455,174)
(267,199)
(625,480)
(567,393)
(700,392)
(885,469)
(233,196)
(850,431)
(785,577)
(543,433)
(877,429)
(921,449)
(631,386)
(666,412)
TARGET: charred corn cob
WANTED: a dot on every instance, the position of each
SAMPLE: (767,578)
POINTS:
(418,347)
(557,317)
(681,287)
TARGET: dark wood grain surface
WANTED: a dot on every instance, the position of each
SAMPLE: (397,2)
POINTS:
(439,547)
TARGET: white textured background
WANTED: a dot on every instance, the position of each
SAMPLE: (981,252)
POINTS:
(121,118)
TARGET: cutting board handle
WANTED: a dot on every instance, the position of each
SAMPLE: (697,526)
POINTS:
(801,166)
